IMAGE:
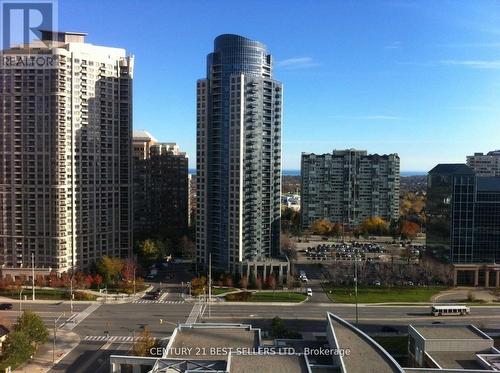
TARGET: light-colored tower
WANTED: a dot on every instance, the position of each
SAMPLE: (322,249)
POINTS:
(485,164)
(65,153)
(239,111)
(348,186)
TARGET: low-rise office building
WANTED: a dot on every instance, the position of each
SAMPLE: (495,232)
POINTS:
(463,216)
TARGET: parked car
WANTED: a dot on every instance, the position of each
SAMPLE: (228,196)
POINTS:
(309,292)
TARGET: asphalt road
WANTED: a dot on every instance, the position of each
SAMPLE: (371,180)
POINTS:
(47,311)
(91,357)
(122,319)
(120,322)
(384,315)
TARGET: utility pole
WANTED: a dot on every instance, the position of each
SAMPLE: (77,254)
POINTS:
(20,303)
(71,292)
(356,284)
(209,284)
(33,273)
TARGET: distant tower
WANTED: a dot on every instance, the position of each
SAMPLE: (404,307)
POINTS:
(239,114)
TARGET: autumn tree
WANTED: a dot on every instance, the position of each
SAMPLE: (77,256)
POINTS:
(409,230)
(198,285)
(375,225)
(144,343)
(322,227)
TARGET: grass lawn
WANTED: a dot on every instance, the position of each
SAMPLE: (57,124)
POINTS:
(45,294)
(218,291)
(381,294)
(277,296)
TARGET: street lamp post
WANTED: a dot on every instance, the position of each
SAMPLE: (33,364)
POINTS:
(54,338)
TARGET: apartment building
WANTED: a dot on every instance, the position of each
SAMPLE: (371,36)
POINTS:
(349,186)
(239,111)
(65,153)
(161,190)
(485,164)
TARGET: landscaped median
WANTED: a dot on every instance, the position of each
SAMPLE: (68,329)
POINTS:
(266,296)
(48,294)
(380,294)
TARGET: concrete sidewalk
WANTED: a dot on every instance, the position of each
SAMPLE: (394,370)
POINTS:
(42,361)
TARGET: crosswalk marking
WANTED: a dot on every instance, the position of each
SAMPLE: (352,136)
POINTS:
(113,338)
(196,311)
(77,318)
(145,301)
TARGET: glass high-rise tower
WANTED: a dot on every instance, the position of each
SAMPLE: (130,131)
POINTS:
(239,114)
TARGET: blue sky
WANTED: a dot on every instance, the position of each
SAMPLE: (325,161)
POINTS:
(420,78)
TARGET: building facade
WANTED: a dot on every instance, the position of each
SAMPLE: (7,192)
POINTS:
(349,186)
(161,189)
(485,164)
(463,220)
(65,153)
(239,111)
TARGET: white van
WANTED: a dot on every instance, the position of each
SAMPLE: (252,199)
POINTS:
(309,292)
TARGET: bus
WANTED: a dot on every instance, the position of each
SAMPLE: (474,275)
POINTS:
(449,310)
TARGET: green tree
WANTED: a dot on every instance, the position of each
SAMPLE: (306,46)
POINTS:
(151,251)
(17,348)
(33,326)
(110,269)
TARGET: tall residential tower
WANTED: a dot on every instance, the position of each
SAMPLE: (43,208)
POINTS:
(65,153)
(239,114)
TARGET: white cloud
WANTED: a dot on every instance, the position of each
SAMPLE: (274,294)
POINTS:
(368,117)
(473,64)
(393,45)
(297,63)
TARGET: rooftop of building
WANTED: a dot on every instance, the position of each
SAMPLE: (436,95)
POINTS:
(211,339)
(343,152)
(63,36)
(452,168)
(456,359)
(364,353)
(442,331)
(267,363)
(141,135)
